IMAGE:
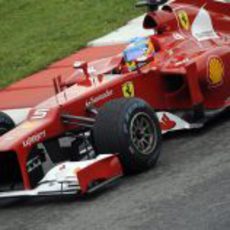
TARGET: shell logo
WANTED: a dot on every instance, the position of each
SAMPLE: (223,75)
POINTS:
(215,71)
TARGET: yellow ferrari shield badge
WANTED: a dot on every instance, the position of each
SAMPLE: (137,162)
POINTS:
(128,89)
(215,70)
(184,20)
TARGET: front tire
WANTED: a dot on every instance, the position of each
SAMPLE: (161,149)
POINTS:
(6,123)
(130,128)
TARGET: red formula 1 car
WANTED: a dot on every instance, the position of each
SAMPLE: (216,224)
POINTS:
(100,113)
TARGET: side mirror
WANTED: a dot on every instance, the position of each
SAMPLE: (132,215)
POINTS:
(83,66)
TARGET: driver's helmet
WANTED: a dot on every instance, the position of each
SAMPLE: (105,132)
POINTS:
(139,48)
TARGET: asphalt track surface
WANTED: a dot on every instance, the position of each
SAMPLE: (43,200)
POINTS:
(189,189)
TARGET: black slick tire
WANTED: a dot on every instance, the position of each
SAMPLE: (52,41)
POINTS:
(115,132)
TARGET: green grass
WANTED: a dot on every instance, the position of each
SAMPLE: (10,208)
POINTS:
(34,33)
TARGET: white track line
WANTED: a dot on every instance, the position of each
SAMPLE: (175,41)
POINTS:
(132,29)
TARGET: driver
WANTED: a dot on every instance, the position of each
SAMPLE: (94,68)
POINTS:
(140,48)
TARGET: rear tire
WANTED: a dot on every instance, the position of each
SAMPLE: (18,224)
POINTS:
(130,128)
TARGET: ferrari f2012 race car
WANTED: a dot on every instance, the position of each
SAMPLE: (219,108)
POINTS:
(99,114)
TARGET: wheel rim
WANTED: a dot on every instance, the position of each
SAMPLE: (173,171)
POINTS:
(143,133)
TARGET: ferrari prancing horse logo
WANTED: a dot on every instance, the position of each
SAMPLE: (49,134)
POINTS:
(128,89)
(184,20)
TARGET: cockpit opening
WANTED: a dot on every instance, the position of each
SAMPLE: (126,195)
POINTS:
(138,53)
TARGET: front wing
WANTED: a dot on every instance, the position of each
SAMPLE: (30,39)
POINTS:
(74,178)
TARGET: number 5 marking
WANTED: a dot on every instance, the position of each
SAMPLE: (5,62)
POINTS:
(40,114)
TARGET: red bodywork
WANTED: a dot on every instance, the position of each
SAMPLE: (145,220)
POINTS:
(180,77)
